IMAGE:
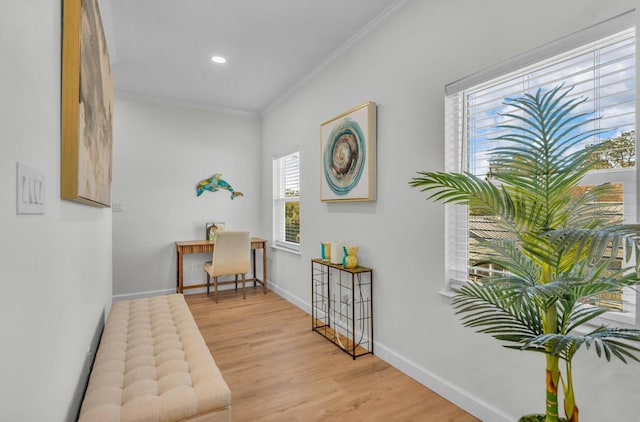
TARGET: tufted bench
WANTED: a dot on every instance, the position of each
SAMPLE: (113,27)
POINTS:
(153,365)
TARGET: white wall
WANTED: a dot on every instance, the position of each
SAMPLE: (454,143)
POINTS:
(56,267)
(162,152)
(403,65)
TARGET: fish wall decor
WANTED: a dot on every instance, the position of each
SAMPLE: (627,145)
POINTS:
(215,183)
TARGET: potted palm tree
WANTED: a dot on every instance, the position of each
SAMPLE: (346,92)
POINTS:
(556,262)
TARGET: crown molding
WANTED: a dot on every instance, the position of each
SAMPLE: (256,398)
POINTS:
(374,23)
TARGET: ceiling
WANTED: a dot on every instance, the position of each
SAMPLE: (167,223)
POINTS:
(162,49)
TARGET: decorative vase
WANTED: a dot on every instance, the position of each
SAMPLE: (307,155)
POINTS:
(350,258)
(325,249)
(336,256)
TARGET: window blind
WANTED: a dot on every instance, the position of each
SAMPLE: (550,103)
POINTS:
(604,72)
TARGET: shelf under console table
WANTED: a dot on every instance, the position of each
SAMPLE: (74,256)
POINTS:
(342,306)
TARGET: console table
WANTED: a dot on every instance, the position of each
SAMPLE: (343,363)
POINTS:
(206,246)
(342,306)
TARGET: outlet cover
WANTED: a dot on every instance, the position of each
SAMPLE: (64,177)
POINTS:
(30,190)
(118,207)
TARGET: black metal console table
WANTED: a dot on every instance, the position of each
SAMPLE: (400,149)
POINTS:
(342,306)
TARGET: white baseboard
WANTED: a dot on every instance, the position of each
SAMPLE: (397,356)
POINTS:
(302,304)
(130,296)
(151,293)
(456,395)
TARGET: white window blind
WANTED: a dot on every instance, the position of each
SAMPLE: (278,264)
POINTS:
(600,65)
(286,201)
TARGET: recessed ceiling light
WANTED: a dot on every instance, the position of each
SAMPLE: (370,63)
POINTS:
(218,59)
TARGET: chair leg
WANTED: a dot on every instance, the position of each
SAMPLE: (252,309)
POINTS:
(215,288)
(208,283)
(236,282)
(244,294)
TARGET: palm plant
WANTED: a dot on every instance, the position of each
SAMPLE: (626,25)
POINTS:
(556,262)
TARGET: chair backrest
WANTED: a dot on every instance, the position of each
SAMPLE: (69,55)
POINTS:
(231,253)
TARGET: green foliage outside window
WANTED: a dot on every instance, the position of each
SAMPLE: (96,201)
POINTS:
(618,152)
(292,217)
(292,222)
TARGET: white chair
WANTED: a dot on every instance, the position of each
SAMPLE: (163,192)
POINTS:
(231,256)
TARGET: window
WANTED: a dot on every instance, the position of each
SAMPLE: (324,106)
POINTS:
(599,63)
(286,201)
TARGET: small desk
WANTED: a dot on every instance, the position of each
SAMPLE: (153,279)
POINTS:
(206,246)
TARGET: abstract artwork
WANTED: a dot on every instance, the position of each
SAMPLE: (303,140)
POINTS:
(348,156)
(87,106)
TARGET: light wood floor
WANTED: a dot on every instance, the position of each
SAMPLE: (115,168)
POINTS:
(280,370)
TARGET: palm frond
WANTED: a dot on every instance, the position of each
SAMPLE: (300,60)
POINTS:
(613,341)
(592,244)
(490,308)
(586,211)
(582,314)
(537,157)
(457,188)
(506,254)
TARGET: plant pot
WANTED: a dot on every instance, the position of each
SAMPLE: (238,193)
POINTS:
(536,418)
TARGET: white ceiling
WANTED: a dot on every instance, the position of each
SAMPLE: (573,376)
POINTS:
(162,49)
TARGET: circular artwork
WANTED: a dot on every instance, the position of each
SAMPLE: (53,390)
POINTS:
(344,156)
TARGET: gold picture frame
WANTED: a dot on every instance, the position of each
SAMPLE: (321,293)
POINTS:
(348,155)
(86,106)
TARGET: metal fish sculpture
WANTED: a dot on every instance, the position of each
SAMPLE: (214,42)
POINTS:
(215,183)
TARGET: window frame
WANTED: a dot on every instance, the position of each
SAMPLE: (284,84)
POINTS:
(280,199)
(457,156)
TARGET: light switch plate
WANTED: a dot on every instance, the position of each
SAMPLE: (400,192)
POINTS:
(30,190)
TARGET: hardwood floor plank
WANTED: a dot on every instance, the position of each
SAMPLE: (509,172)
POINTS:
(278,369)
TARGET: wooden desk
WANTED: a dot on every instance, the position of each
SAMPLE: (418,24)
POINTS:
(206,246)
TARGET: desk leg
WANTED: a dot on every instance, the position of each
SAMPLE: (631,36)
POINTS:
(179,271)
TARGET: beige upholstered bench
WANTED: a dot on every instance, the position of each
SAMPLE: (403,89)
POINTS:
(153,365)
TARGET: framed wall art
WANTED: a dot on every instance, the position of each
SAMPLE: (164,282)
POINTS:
(212,228)
(87,106)
(348,156)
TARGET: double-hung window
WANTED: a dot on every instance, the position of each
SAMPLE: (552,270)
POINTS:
(286,201)
(599,64)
